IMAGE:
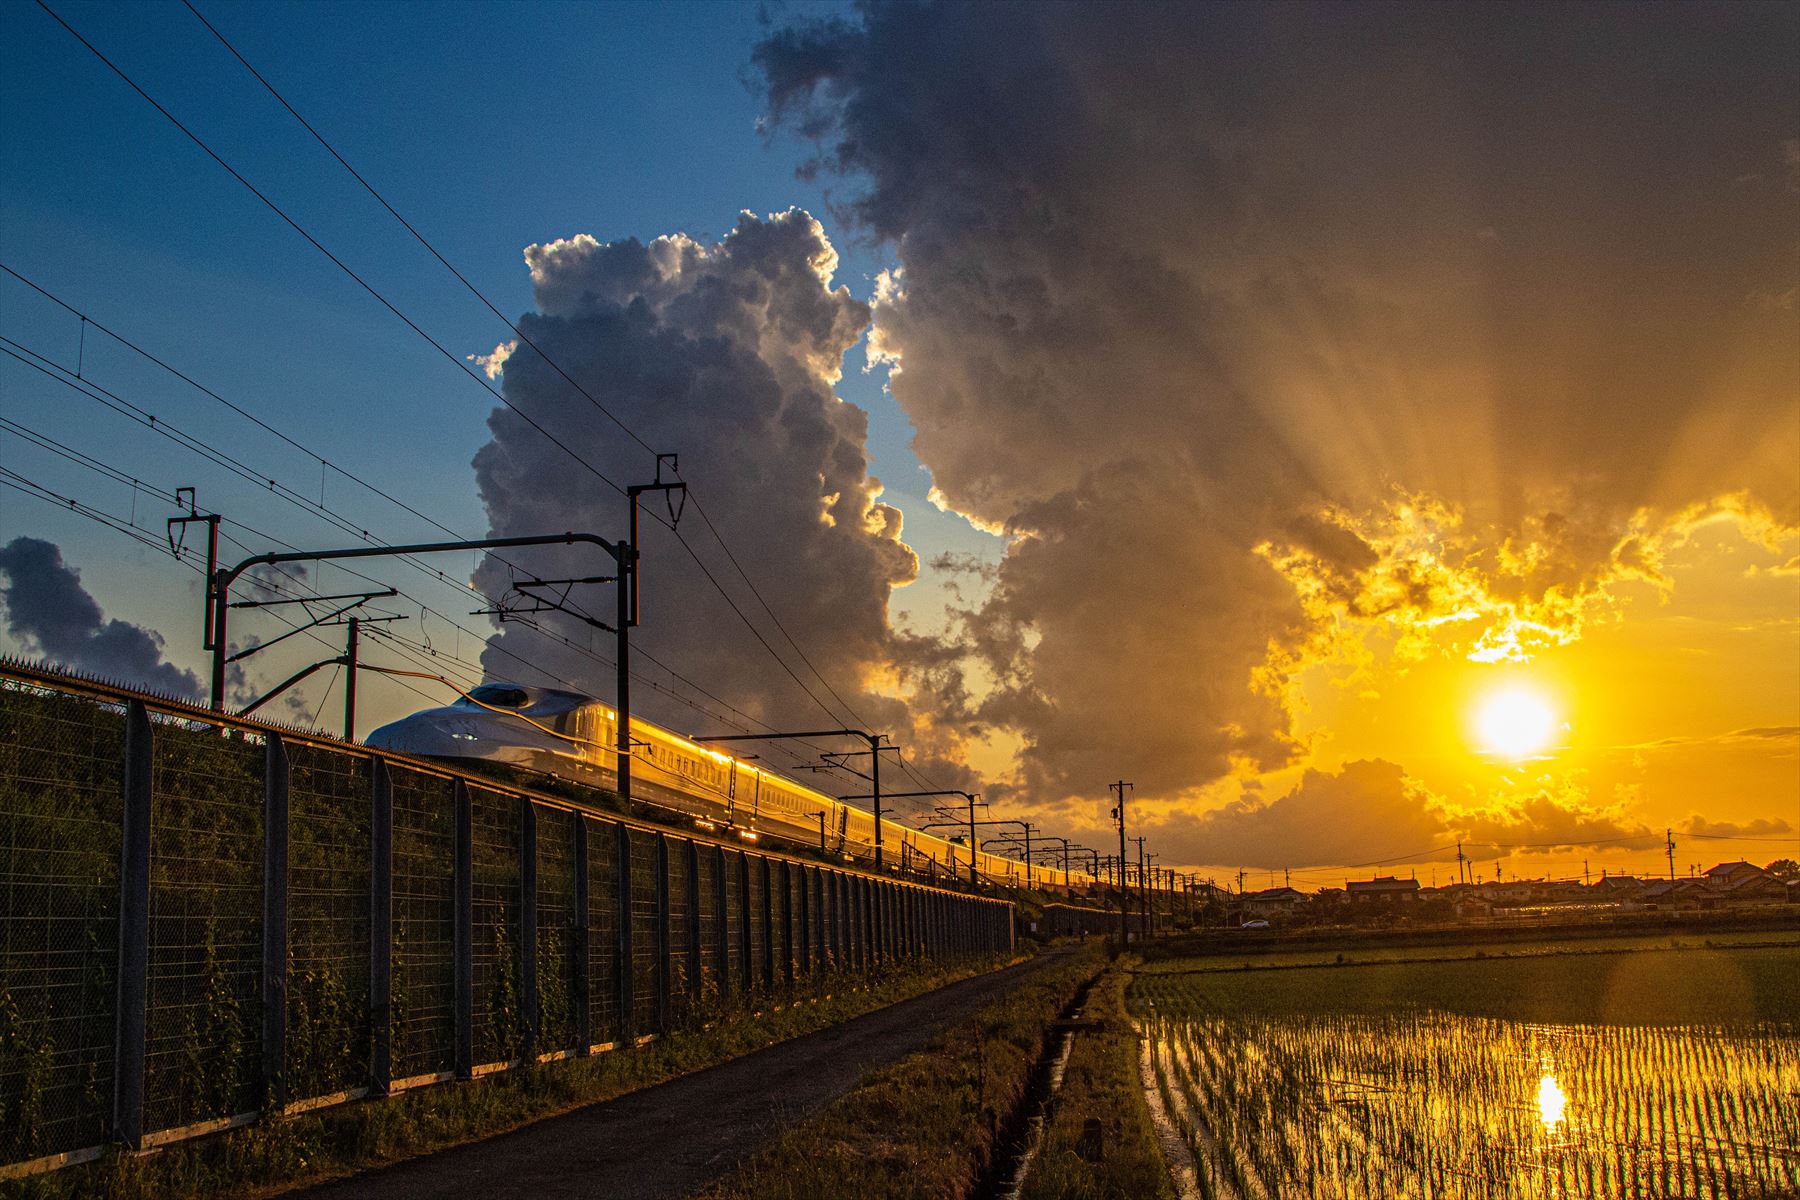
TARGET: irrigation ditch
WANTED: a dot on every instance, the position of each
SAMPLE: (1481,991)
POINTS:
(1022,1134)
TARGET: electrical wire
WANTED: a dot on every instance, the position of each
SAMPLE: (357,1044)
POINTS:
(459,363)
(519,333)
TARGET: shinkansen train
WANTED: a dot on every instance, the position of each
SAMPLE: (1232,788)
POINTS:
(572,736)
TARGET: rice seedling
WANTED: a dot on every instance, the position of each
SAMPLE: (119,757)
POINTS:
(1424,1101)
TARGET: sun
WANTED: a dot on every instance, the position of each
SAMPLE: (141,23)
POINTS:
(1515,723)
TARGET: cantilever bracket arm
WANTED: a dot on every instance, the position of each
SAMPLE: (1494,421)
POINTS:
(219,589)
(290,681)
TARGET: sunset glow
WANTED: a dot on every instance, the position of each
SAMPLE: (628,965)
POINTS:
(1515,723)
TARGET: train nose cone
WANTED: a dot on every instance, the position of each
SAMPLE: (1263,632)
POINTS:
(431,735)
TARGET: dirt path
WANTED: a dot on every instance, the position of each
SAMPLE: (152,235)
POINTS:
(666,1140)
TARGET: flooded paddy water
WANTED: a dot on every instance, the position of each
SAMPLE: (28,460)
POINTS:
(1661,1074)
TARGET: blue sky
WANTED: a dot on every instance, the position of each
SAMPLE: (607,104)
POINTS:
(491,126)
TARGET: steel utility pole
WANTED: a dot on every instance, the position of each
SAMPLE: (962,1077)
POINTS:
(1049,837)
(874,740)
(351,646)
(973,798)
(1118,813)
(211,521)
(628,599)
(1143,898)
(219,596)
(972,824)
(1148,880)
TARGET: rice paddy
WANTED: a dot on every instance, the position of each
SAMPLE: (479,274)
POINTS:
(1483,1079)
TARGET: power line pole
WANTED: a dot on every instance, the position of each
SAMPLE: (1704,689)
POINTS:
(351,644)
(1118,813)
(211,521)
(1462,875)
(973,798)
(1669,844)
(1143,892)
(874,741)
(628,611)
(219,593)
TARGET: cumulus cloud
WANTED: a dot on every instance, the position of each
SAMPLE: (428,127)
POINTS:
(726,353)
(1760,827)
(51,613)
(493,363)
(1191,309)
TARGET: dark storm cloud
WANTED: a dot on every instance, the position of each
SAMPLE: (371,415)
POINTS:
(727,354)
(1371,811)
(1179,280)
(49,610)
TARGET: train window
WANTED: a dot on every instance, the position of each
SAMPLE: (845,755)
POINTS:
(500,696)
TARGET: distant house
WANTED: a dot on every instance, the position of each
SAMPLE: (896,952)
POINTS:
(1272,902)
(1619,887)
(1754,889)
(1382,888)
(1727,876)
(1680,893)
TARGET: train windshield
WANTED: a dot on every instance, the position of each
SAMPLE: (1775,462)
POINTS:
(500,696)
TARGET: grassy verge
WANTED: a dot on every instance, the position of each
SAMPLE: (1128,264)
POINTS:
(272,1156)
(1101,1084)
(926,1126)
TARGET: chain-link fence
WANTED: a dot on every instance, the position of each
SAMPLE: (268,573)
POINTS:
(205,919)
(61,772)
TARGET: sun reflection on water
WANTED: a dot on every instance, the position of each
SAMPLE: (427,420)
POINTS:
(1551,1102)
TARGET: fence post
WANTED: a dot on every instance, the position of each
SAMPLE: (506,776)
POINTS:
(528,922)
(860,891)
(274,926)
(584,1025)
(134,928)
(462,930)
(744,920)
(768,907)
(695,991)
(622,851)
(803,952)
(663,967)
(840,919)
(788,952)
(381,928)
(722,942)
(847,917)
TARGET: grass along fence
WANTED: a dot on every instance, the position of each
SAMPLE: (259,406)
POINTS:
(205,920)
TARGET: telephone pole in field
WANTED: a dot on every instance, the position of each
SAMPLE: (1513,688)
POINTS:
(1118,813)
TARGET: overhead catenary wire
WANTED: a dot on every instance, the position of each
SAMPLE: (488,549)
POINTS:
(532,422)
(526,339)
(108,471)
(191,559)
(322,249)
(149,420)
(538,350)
